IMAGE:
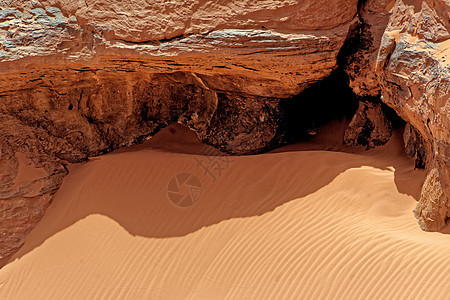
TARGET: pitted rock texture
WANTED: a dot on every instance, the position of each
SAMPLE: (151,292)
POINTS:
(263,48)
(70,115)
(369,127)
(434,211)
(28,179)
(81,78)
(415,146)
(404,60)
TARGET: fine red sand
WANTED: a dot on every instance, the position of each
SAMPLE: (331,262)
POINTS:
(298,223)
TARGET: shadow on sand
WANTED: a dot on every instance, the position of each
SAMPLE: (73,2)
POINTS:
(131,185)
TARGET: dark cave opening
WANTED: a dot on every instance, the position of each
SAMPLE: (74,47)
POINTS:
(322,102)
(326,100)
(392,116)
(361,4)
(332,98)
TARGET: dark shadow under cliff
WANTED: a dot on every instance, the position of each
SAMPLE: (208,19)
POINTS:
(322,102)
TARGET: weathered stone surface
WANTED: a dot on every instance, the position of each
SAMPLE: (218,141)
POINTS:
(135,19)
(264,48)
(28,179)
(369,127)
(405,61)
(416,82)
(415,146)
(432,210)
(243,124)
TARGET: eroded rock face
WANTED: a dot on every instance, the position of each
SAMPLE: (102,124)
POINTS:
(405,62)
(432,211)
(416,79)
(28,179)
(369,127)
(415,146)
(81,78)
(263,48)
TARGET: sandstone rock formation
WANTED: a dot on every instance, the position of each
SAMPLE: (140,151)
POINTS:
(404,61)
(369,127)
(415,146)
(264,48)
(81,78)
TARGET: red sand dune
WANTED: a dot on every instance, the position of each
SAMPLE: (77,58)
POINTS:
(297,223)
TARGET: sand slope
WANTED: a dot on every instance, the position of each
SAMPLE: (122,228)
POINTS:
(285,225)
